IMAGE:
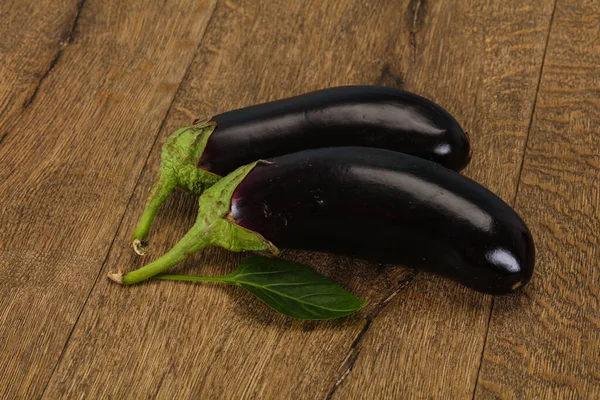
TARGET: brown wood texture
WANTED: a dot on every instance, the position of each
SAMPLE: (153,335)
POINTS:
(68,169)
(546,343)
(33,36)
(516,75)
(433,334)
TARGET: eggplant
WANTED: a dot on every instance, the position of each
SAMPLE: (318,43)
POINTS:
(366,116)
(368,203)
(194,158)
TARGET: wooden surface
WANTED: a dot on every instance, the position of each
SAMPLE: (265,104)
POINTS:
(89,89)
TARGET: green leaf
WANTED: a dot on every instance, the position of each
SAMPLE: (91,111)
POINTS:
(294,289)
(290,288)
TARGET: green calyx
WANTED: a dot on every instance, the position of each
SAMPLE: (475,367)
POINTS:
(178,168)
(213,227)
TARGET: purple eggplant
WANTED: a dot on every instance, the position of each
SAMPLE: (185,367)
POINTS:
(372,204)
(194,158)
(368,116)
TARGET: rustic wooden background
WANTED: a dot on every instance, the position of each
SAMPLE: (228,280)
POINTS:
(89,89)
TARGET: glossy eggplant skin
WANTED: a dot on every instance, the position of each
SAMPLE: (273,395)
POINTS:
(387,207)
(366,116)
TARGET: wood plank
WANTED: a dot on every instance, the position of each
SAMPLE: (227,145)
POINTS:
(546,344)
(68,172)
(32,36)
(209,341)
(432,335)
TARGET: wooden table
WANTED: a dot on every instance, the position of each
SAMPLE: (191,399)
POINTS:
(89,89)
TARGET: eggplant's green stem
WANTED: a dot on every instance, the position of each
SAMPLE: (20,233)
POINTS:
(213,227)
(194,278)
(196,239)
(178,168)
(160,191)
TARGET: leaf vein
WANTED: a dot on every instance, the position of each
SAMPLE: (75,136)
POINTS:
(260,273)
(288,284)
(300,301)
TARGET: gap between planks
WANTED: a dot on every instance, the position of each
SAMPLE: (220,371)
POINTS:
(531,118)
(141,173)
(354,351)
(62,45)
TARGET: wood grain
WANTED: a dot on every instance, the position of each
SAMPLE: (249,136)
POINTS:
(432,335)
(546,344)
(67,171)
(33,35)
(206,341)
(87,86)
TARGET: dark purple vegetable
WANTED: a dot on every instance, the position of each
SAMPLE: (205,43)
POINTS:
(366,116)
(373,204)
(344,116)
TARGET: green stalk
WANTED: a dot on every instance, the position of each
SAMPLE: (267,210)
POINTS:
(197,238)
(213,227)
(167,277)
(161,189)
(178,168)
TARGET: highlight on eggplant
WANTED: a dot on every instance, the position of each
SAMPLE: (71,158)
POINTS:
(373,204)
(195,157)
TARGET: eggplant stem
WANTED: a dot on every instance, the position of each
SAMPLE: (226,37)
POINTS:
(161,189)
(116,276)
(178,168)
(139,246)
(193,278)
(197,238)
(214,227)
